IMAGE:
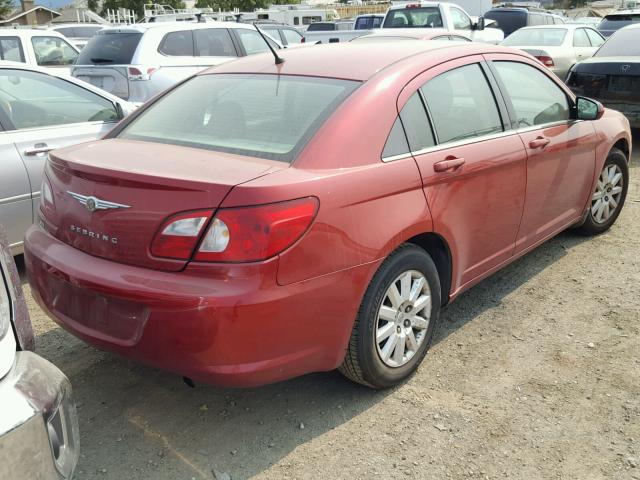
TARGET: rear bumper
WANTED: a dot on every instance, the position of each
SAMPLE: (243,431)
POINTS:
(223,324)
(39,435)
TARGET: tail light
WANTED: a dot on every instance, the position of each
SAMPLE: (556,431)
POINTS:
(140,72)
(243,234)
(249,234)
(546,60)
(46,196)
(303,40)
(179,235)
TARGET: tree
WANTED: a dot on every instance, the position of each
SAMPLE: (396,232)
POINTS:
(6,6)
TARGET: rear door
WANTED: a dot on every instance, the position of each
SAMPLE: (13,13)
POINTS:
(473,167)
(582,45)
(560,151)
(44,112)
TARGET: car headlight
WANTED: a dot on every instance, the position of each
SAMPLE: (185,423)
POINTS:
(5,306)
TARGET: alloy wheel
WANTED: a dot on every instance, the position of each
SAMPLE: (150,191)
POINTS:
(403,318)
(606,198)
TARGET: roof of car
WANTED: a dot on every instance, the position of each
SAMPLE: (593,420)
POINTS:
(352,60)
(28,32)
(171,26)
(417,33)
(567,26)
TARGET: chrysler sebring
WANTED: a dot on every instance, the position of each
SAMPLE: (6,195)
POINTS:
(264,219)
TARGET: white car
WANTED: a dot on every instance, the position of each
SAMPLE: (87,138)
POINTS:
(37,47)
(39,112)
(558,47)
(135,62)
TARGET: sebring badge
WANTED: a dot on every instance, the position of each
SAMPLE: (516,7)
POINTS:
(93,203)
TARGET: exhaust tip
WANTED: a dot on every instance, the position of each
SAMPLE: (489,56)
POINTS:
(189,382)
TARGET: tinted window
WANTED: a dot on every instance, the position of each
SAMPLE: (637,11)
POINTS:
(296,20)
(11,49)
(51,51)
(416,124)
(253,42)
(110,48)
(615,22)
(265,116)
(461,104)
(321,27)
(623,43)
(460,20)
(362,23)
(594,37)
(423,17)
(535,97)
(39,100)
(214,42)
(508,21)
(177,44)
(292,36)
(377,22)
(580,38)
(396,142)
(536,37)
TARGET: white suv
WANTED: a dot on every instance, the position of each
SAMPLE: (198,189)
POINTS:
(35,47)
(138,61)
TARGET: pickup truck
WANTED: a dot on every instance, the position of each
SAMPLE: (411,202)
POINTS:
(37,47)
(448,16)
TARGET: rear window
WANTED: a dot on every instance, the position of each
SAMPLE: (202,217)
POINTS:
(267,116)
(536,37)
(508,21)
(414,17)
(623,43)
(321,27)
(109,48)
(615,22)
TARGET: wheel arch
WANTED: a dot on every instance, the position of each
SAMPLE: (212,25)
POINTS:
(439,250)
(622,144)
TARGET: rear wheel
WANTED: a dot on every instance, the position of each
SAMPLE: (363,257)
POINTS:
(609,195)
(395,324)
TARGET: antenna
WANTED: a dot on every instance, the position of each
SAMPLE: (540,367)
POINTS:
(279,60)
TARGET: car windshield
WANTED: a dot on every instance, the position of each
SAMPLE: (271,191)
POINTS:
(536,37)
(110,49)
(267,116)
(623,43)
(414,17)
(615,22)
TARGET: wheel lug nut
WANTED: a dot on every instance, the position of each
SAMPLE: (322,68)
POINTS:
(407,310)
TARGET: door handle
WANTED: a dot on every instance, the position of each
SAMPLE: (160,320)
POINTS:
(38,149)
(448,164)
(539,142)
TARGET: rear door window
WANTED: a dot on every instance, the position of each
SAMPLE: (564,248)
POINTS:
(53,51)
(110,48)
(594,37)
(580,38)
(177,44)
(461,104)
(214,42)
(11,49)
(292,36)
(536,99)
(252,41)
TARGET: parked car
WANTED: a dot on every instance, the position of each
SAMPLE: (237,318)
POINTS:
(368,22)
(78,33)
(135,62)
(40,111)
(612,75)
(39,436)
(43,48)
(510,19)
(411,34)
(285,34)
(264,236)
(615,21)
(558,47)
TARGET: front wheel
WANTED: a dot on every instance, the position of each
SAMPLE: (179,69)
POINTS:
(395,324)
(609,195)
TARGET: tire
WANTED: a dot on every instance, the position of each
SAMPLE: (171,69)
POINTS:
(600,217)
(364,362)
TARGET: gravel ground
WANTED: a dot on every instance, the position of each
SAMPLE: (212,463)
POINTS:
(534,374)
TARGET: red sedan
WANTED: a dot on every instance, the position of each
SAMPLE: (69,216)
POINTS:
(261,221)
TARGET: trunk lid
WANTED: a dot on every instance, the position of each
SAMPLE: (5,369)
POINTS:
(608,79)
(149,182)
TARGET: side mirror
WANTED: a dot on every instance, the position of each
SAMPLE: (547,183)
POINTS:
(588,109)
(479,25)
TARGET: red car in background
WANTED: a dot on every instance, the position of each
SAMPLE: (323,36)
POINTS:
(261,221)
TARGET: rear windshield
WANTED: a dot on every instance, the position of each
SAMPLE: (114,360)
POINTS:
(623,43)
(536,37)
(267,116)
(414,17)
(109,48)
(614,22)
(508,21)
(321,27)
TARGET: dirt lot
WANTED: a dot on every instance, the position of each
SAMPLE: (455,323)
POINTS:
(535,373)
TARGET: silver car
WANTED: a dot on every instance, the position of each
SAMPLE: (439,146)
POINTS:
(558,47)
(40,111)
(39,437)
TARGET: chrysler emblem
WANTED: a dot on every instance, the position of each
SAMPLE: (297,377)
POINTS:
(93,203)
(625,68)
